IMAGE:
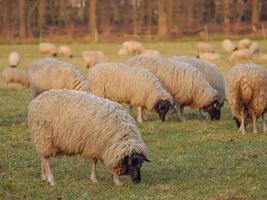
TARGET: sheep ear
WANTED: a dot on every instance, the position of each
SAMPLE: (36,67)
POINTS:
(145,159)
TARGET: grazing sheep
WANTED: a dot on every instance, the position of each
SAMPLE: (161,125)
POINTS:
(65,51)
(50,73)
(241,54)
(262,57)
(186,84)
(73,122)
(228,46)
(15,75)
(244,43)
(48,49)
(91,58)
(212,74)
(248,94)
(125,84)
(150,52)
(14,59)
(131,48)
(209,56)
(254,48)
(204,47)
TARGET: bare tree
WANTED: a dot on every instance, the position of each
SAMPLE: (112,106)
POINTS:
(22,18)
(163,20)
(226,16)
(92,18)
(255,12)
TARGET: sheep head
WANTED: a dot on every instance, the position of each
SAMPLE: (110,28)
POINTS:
(162,107)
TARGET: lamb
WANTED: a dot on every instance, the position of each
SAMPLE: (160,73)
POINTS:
(228,46)
(47,48)
(150,52)
(254,47)
(91,58)
(14,59)
(244,43)
(241,54)
(185,83)
(131,48)
(204,47)
(248,94)
(125,84)
(74,122)
(15,75)
(209,56)
(50,73)
(212,74)
(65,51)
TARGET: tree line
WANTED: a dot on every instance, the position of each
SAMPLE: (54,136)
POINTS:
(120,18)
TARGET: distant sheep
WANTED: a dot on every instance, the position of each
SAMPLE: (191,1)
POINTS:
(248,94)
(48,49)
(92,58)
(131,48)
(150,52)
(65,51)
(241,54)
(254,48)
(244,43)
(125,84)
(209,56)
(203,47)
(186,84)
(15,75)
(228,46)
(73,122)
(50,73)
(14,59)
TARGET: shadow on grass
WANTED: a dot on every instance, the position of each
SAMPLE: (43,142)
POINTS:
(11,119)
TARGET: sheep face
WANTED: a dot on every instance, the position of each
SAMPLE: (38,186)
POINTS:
(214,110)
(133,165)
(162,107)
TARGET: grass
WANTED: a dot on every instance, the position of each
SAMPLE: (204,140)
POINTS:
(197,159)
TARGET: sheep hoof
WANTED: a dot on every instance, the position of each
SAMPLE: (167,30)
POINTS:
(94,179)
(52,183)
(117,181)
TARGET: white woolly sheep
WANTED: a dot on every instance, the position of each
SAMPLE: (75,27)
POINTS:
(244,43)
(150,52)
(131,48)
(73,122)
(14,59)
(50,73)
(241,54)
(262,57)
(254,47)
(15,75)
(212,74)
(48,49)
(65,51)
(248,94)
(204,47)
(209,56)
(185,83)
(228,46)
(125,84)
(91,58)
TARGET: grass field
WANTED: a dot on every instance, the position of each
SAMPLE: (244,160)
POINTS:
(197,159)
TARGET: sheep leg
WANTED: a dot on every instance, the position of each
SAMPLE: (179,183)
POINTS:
(93,171)
(264,124)
(242,125)
(44,176)
(203,114)
(144,114)
(47,171)
(139,115)
(116,180)
(179,110)
(254,119)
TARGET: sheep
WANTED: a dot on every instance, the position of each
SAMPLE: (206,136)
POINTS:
(248,94)
(262,57)
(14,59)
(228,46)
(125,84)
(244,43)
(91,58)
(131,48)
(241,54)
(209,56)
(185,83)
(15,75)
(75,122)
(254,48)
(150,52)
(65,51)
(50,73)
(47,48)
(212,74)
(204,47)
